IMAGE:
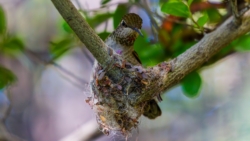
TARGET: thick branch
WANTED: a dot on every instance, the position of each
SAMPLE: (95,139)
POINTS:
(198,54)
(201,52)
(87,35)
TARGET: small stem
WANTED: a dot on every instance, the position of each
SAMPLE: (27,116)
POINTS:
(198,26)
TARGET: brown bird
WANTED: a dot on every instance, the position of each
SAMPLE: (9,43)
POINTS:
(121,41)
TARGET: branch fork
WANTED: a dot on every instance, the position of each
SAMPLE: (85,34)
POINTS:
(118,106)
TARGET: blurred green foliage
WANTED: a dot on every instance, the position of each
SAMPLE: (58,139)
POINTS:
(12,46)
(213,15)
(150,54)
(121,9)
(203,19)
(9,45)
(2,20)
(98,19)
(105,2)
(104,35)
(66,27)
(176,8)
(60,47)
(6,77)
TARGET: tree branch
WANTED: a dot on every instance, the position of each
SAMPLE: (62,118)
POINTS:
(87,132)
(87,35)
(211,44)
(198,54)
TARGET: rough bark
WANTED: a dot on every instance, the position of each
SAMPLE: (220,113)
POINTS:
(87,35)
(201,52)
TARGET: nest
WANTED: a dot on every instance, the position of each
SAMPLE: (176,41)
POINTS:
(114,102)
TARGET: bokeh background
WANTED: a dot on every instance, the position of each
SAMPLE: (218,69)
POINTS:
(47,102)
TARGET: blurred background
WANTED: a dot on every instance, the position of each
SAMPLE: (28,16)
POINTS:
(45,70)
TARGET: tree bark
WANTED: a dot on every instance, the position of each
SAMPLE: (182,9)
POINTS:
(88,36)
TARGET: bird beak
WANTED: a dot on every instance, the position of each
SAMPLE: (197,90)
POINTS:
(138,30)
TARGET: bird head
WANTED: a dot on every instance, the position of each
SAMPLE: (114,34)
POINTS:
(129,29)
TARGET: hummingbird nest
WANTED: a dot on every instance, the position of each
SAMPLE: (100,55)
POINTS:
(115,102)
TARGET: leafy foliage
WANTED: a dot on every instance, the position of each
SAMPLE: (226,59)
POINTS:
(66,27)
(243,43)
(104,35)
(12,45)
(190,2)
(176,8)
(213,15)
(121,10)
(6,77)
(149,54)
(98,19)
(203,20)
(2,21)
(105,2)
(60,47)
(9,44)
(191,84)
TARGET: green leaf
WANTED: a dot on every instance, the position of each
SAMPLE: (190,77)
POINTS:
(103,35)
(66,27)
(2,20)
(12,45)
(60,47)
(104,2)
(214,15)
(141,42)
(120,11)
(191,84)
(6,77)
(243,43)
(203,19)
(152,54)
(99,19)
(149,54)
(190,2)
(176,8)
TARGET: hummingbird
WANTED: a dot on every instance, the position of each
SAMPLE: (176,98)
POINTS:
(121,40)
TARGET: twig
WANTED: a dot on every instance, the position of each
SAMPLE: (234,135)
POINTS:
(36,57)
(88,131)
(82,82)
(146,7)
(87,55)
(7,112)
(178,22)
(72,82)
(5,135)
(154,26)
